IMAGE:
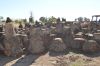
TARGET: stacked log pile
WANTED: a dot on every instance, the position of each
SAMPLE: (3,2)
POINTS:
(35,41)
(97,37)
(12,44)
(57,39)
(67,36)
(57,45)
(46,37)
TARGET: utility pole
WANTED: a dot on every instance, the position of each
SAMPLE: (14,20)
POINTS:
(31,19)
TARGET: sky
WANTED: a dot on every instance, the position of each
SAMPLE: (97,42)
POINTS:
(69,9)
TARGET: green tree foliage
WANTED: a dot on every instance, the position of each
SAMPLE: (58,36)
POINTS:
(1,18)
(82,19)
(8,20)
(52,19)
(25,20)
(43,19)
(86,19)
(31,20)
(63,19)
(18,21)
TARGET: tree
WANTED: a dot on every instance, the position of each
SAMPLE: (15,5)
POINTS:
(52,19)
(80,19)
(63,19)
(25,20)
(86,19)
(58,19)
(31,20)
(1,18)
(8,20)
(18,21)
(43,19)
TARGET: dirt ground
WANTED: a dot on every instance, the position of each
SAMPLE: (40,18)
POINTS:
(53,59)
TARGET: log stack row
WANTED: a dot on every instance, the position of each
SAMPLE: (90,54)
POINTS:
(37,40)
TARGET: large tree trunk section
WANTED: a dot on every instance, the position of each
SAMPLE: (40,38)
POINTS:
(90,46)
(9,30)
(85,30)
(96,36)
(46,38)
(79,35)
(78,43)
(59,30)
(13,46)
(36,45)
(57,45)
(67,36)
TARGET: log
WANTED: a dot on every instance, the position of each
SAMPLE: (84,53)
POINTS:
(57,45)
(85,30)
(78,43)
(67,36)
(53,30)
(9,30)
(90,46)
(79,35)
(96,36)
(46,37)
(13,46)
(1,47)
(59,27)
(36,45)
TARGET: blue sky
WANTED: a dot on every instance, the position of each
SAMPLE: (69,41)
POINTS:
(70,9)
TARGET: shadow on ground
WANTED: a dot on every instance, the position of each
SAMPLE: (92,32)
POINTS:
(51,53)
(26,60)
(5,59)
